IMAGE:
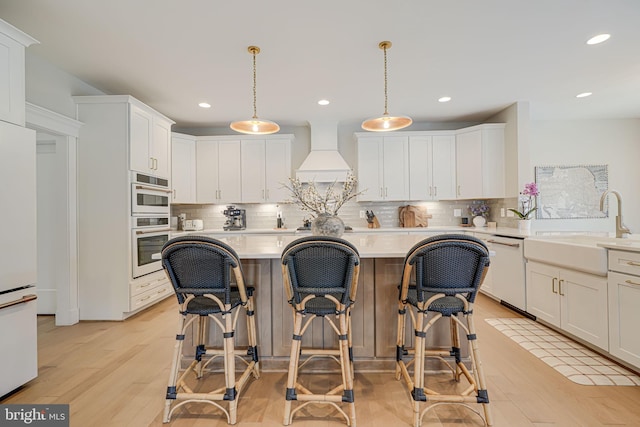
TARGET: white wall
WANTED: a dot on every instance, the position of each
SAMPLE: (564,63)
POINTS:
(49,87)
(614,142)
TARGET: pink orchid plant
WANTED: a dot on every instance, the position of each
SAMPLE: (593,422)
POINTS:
(526,200)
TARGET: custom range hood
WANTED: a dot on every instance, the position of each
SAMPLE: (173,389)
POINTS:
(324,163)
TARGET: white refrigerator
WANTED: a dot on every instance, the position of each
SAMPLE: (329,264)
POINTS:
(18,267)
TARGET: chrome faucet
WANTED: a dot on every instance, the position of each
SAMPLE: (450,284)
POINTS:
(621,229)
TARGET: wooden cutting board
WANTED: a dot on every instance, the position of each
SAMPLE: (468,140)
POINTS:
(413,216)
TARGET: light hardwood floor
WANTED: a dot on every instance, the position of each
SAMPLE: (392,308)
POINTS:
(115,374)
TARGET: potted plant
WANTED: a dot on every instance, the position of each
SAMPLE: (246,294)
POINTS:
(526,202)
(480,211)
(323,207)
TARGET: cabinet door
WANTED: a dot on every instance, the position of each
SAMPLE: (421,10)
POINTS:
(469,164)
(206,172)
(395,170)
(583,307)
(12,95)
(183,169)
(370,168)
(141,123)
(229,177)
(624,317)
(18,266)
(420,168)
(253,170)
(161,148)
(443,167)
(543,299)
(277,169)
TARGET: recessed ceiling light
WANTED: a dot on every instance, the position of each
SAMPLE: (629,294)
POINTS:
(598,39)
(583,94)
(444,99)
(323,102)
(204,105)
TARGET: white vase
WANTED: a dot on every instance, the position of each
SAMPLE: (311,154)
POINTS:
(524,225)
(479,221)
(327,225)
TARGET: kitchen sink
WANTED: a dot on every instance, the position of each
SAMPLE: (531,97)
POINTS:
(576,252)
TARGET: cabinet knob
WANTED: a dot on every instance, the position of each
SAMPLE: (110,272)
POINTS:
(553,285)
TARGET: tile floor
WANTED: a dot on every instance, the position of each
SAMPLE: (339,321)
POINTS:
(571,359)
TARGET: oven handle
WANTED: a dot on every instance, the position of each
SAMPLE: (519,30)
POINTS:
(152,231)
(22,300)
(513,245)
(144,187)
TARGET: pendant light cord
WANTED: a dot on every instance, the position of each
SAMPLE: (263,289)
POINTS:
(255,110)
(386,113)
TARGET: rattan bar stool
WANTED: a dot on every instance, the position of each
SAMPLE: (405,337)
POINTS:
(441,278)
(320,276)
(207,277)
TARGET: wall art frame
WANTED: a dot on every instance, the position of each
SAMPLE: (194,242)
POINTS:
(571,191)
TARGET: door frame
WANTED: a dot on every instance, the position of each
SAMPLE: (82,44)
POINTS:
(43,120)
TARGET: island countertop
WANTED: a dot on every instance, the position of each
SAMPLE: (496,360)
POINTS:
(372,245)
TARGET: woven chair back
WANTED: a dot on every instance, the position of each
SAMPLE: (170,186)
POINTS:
(450,264)
(321,264)
(198,265)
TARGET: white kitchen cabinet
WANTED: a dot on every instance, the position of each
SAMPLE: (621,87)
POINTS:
(218,172)
(150,141)
(183,168)
(480,162)
(12,86)
(383,167)
(624,300)
(432,166)
(18,266)
(105,272)
(573,301)
(265,167)
(487,284)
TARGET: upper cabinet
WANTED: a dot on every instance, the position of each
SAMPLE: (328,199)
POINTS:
(266,166)
(383,171)
(183,168)
(480,162)
(432,167)
(146,134)
(218,170)
(12,92)
(150,142)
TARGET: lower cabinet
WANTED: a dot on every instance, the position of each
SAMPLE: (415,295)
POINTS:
(149,289)
(624,300)
(570,300)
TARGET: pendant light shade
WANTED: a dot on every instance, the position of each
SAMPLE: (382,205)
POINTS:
(254,125)
(386,122)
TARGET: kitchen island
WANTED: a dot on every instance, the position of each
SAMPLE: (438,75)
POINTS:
(374,315)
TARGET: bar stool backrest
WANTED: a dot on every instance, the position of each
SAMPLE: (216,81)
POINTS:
(198,265)
(321,265)
(450,264)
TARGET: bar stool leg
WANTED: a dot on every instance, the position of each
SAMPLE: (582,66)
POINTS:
(418,382)
(345,361)
(230,366)
(402,318)
(294,359)
(175,368)
(252,335)
(479,370)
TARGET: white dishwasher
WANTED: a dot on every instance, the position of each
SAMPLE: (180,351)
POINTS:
(508,270)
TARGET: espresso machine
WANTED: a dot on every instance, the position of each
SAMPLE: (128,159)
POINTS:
(236,219)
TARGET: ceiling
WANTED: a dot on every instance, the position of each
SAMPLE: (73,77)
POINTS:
(485,54)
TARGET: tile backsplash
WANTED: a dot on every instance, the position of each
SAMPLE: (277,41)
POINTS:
(263,216)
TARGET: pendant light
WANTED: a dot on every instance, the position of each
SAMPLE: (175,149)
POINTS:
(254,125)
(386,122)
